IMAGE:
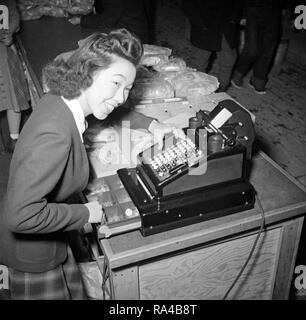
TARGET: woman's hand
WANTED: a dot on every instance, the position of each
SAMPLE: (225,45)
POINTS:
(95,212)
(159,130)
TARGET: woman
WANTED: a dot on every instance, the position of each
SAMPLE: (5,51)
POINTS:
(50,165)
(14,95)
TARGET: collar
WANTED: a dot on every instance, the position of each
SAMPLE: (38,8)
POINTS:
(78,115)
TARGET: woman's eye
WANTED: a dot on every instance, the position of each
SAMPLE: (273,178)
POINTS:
(117,84)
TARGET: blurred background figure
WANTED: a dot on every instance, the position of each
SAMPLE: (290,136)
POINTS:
(214,27)
(14,94)
(262,34)
(134,15)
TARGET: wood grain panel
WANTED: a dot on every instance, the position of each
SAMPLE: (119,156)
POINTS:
(287,256)
(208,272)
(125,284)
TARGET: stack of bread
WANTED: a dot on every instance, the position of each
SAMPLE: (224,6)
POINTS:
(35,9)
(163,76)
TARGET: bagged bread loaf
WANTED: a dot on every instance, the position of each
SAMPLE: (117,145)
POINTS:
(32,3)
(187,83)
(53,11)
(29,11)
(82,10)
(59,3)
(167,75)
(35,9)
(153,49)
(80,7)
(151,88)
(153,59)
(173,64)
(153,55)
(98,133)
(109,153)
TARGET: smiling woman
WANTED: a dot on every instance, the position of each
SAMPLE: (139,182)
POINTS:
(50,165)
(110,88)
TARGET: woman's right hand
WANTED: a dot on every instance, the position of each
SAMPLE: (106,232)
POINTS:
(95,212)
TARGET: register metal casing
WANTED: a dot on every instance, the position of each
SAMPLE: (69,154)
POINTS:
(170,194)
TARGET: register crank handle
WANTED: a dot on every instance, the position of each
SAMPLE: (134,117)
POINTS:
(229,141)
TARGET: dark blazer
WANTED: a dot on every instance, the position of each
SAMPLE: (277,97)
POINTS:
(133,15)
(211,19)
(49,166)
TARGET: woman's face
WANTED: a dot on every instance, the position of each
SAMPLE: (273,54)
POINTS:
(110,88)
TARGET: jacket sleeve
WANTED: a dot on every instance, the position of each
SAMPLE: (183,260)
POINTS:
(36,170)
(112,12)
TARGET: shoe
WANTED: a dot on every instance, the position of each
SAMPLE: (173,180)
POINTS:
(237,83)
(10,146)
(258,90)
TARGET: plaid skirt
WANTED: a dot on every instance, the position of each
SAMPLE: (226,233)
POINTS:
(62,283)
(14,91)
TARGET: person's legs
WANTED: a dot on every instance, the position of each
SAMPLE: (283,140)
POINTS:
(226,59)
(250,51)
(269,32)
(205,60)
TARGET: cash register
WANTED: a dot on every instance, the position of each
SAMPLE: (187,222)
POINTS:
(200,177)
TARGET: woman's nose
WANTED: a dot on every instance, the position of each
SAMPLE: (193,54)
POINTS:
(120,96)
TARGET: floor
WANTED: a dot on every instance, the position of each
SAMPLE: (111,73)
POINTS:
(280,114)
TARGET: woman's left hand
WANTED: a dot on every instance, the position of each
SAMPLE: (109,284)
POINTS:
(159,130)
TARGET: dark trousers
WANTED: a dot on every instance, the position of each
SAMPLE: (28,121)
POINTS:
(225,61)
(261,39)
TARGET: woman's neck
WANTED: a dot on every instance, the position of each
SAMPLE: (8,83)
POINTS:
(84,105)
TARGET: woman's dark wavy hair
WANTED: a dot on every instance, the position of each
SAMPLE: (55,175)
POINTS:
(68,78)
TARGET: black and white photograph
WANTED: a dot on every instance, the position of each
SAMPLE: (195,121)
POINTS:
(152,153)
